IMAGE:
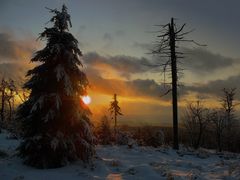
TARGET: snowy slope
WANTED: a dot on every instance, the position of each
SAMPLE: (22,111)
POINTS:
(120,162)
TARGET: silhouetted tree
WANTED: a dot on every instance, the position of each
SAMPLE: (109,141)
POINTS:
(167,48)
(223,120)
(12,91)
(54,120)
(115,110)
(228,106)
(195,121)
(218,121)
(8,92)
(3,89)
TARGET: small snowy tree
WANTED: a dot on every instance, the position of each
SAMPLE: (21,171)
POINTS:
(55,121)
(115,110)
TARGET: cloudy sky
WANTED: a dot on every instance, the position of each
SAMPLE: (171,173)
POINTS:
(115,37)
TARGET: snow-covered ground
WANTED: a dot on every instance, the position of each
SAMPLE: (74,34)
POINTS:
(120,162)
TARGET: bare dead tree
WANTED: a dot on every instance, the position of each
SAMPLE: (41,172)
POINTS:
(167,49)
(3,87)
(223,119)
(115,110)
(10,96)
(196,120)
(228,105)
(8,92)
(218,121)
(21,93)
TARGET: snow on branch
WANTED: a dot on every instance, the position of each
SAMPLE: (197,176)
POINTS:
(38,104)
(60,72)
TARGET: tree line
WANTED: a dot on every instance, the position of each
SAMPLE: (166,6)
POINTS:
(11,94)
(202,123)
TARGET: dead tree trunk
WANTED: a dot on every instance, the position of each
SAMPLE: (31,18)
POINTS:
(174,84)
(166,49)
(3,102)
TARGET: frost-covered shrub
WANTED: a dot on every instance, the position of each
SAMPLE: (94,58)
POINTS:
(146,136)
(123,138)
(155,139)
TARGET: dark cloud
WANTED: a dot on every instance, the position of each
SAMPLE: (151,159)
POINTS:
(15,71)
(125,65)
(214,88)
(133,88)
(12,49)
(7,47)
(147,87)
(129,88)
(150,88)
(201,61)
(197,60)
(15,55)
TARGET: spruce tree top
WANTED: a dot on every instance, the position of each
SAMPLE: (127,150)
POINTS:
(61,19)
(62,52)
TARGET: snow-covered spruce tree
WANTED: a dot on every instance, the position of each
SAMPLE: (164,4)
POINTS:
(115,110)
(55,122)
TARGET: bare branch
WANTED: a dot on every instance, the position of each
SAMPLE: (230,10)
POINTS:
(180,29)
(167,92)
(187,40)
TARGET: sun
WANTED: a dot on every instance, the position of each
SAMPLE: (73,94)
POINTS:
(86,99)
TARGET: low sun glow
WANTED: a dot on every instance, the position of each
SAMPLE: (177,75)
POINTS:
(86,99)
